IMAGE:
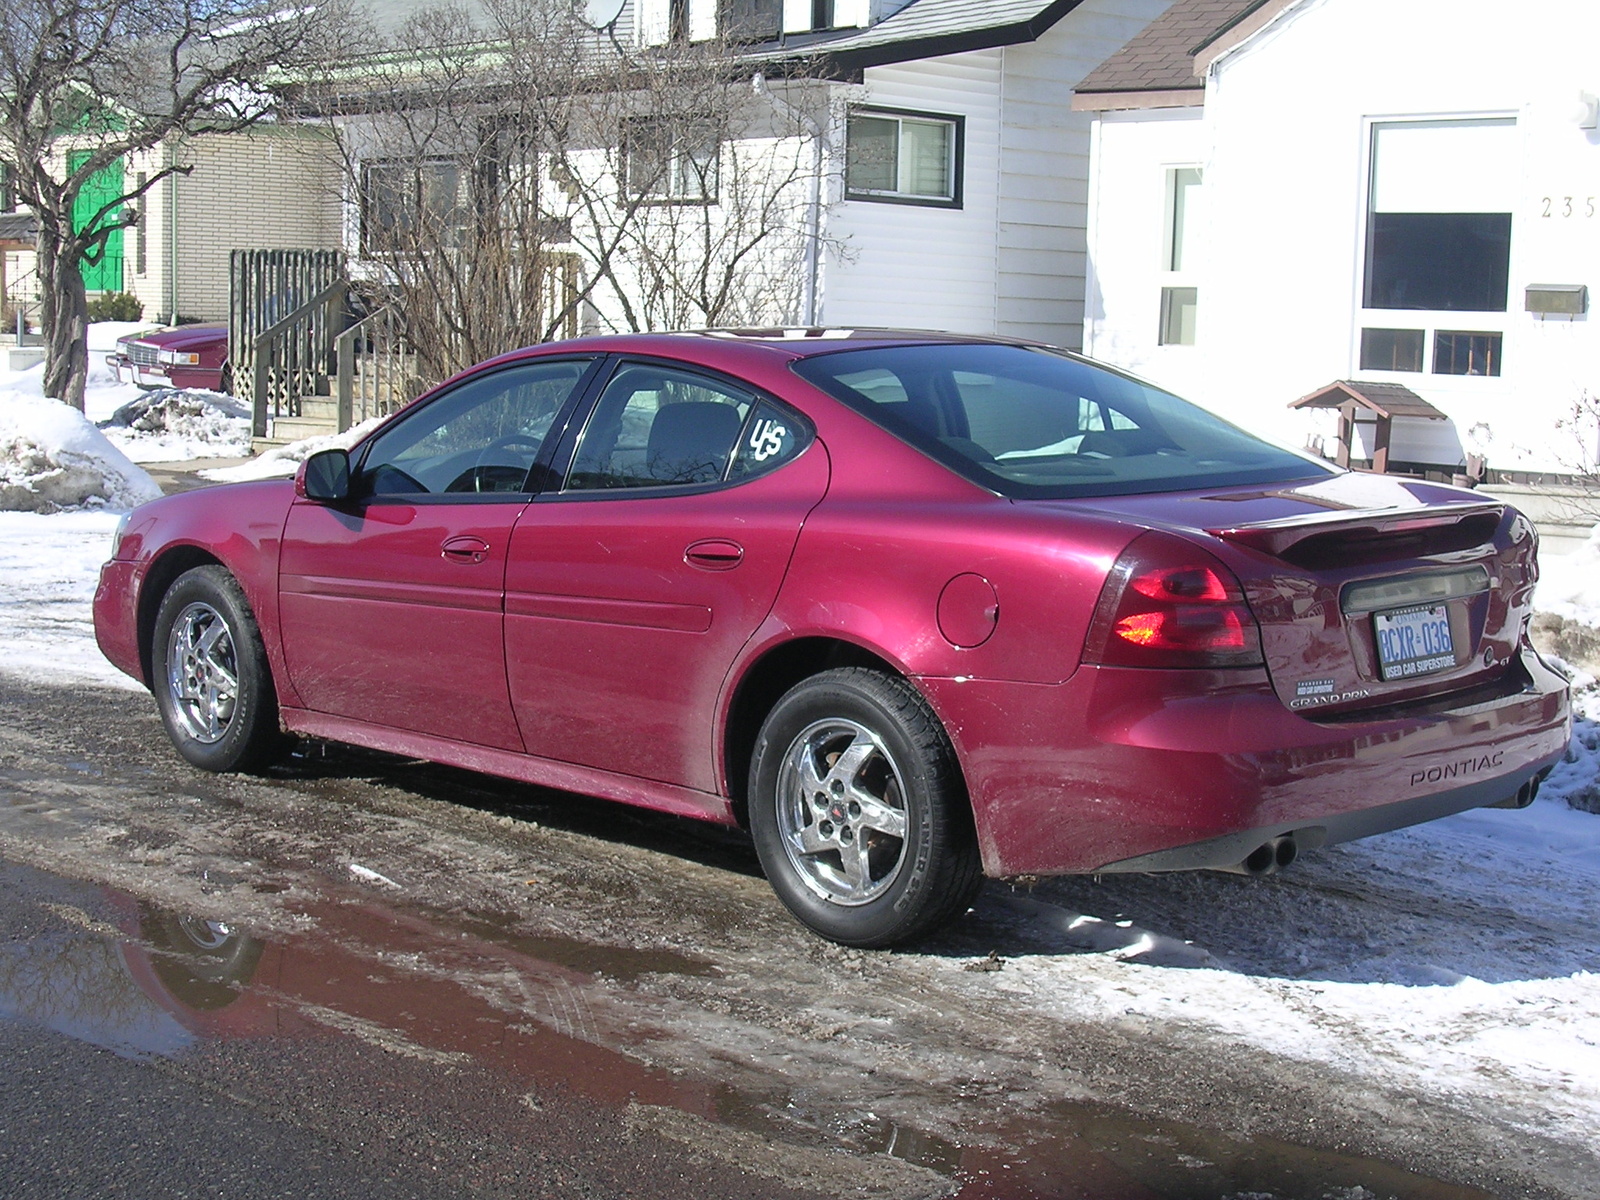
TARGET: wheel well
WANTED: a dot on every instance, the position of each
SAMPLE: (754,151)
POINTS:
(765,683)
(157,580)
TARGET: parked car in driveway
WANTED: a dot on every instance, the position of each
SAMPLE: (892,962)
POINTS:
(913,608)
(186,356)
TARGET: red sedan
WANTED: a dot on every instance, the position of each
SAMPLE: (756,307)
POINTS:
(913,608)
(188,356)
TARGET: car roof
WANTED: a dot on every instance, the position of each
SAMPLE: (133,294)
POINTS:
(783,342)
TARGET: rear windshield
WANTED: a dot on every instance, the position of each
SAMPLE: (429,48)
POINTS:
(1038,424)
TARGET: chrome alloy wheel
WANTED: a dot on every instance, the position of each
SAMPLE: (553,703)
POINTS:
(202,672)
(841,811)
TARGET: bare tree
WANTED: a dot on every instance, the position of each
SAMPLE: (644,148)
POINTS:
(84,83)
(520,174)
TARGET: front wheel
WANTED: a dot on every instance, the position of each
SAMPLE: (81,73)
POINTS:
(212,682)
(858,810)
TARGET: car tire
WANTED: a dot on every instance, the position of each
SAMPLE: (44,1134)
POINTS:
(210,674)
(859,812)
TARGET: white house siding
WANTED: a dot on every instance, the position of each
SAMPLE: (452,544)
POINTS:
(920,266)
(1287,128)
(1044,169)
(273,188)
(1133,151)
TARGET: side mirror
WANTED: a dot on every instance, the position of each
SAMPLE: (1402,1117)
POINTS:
(325,476)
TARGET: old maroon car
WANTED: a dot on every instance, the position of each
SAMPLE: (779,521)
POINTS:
(188,356)
(913,608)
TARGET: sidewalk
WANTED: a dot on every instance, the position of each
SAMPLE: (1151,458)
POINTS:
(183,476)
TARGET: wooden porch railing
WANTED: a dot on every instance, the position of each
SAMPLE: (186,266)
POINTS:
(377,368)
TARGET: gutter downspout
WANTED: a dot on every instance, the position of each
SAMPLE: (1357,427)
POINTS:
(172,232)
(811,276)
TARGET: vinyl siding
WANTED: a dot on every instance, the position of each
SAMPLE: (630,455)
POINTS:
(1042,253)
(920,266)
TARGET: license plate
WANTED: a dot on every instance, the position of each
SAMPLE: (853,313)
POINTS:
(1413,641)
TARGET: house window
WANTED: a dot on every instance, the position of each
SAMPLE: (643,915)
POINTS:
(409,203)
(750,20)
(1391,349)
(8,188)
(904,158)
(1180,298)
(671,159)
(1456,353)
(1439,215)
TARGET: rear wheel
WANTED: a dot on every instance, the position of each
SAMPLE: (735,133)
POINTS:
(212,682)
(858,810)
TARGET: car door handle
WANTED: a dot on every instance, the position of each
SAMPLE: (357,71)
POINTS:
(714,554)
(465,549)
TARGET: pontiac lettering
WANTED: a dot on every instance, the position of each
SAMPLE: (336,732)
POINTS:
(1462,767)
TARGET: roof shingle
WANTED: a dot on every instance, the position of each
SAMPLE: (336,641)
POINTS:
(1161,56)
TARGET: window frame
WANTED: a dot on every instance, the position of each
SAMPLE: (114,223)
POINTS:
(1177,244)
(676,126)
(957,163)
(540,477)
(577,424)
(415,168)
(1431,321)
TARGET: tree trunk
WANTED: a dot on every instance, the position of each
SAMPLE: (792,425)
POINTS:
(64,321)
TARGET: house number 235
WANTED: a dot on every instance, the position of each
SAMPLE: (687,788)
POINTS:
(1567,206)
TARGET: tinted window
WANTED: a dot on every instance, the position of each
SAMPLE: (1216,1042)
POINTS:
(771,438)
(482,436)
(1035,423)
(655,427)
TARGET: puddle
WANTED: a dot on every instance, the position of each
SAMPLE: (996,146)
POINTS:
(558,1014)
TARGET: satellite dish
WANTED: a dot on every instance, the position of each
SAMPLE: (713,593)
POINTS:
(602,14)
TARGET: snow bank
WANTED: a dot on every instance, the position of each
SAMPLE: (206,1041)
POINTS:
(52,458)
(285,460)
(174,424)
(49,567)
(1569,584)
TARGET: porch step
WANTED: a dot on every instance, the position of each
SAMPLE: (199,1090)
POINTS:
(322,407)
(292,429)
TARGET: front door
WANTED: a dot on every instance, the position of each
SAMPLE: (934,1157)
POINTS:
(631,591)
(104,272)
(392,605)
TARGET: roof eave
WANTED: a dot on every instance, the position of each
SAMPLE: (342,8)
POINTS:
(1188,97)
(849,61)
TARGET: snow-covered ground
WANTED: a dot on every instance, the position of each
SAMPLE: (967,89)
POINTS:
(1389,981)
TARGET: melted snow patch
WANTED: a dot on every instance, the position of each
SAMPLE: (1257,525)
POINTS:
(52,459)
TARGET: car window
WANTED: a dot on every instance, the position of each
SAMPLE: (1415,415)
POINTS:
(656,427)
(482,436)
(772,438)
(1030,422)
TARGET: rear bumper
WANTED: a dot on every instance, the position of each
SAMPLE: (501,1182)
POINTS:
(1137,770)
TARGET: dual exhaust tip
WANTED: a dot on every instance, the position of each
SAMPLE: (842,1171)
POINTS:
(1268,858)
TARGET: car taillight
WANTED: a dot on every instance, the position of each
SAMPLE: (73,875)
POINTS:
(1167,603)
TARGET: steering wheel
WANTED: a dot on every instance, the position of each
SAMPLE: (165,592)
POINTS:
(481,472)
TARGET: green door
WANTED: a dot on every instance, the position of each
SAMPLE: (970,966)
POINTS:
(103,186)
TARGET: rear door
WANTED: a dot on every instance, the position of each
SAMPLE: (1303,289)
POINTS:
(392,604)
(631,590)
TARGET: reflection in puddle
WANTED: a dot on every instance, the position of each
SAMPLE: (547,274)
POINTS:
(558,1014)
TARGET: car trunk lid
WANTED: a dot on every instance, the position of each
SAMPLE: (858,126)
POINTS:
(1368,590)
